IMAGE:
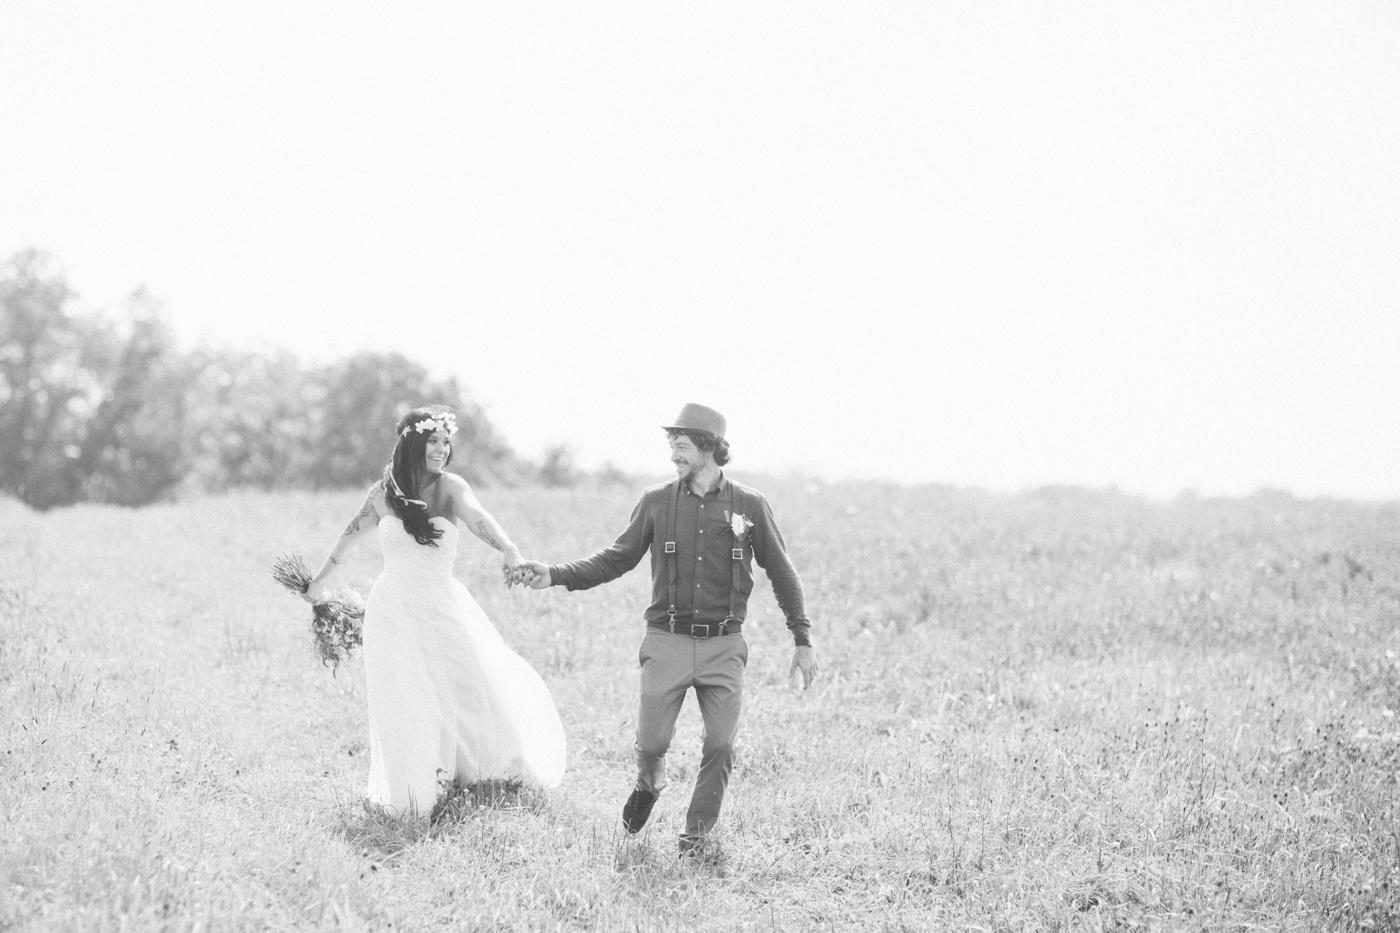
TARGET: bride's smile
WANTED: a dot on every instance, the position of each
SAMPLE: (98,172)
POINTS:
(438,451)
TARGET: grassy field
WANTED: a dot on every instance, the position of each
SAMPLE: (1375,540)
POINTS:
(1057,710)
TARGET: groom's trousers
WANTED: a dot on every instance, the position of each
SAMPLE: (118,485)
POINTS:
(714,669)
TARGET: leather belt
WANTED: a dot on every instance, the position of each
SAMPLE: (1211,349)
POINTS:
(699,629)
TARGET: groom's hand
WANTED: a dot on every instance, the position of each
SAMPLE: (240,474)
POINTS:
(539,578)
(803,660)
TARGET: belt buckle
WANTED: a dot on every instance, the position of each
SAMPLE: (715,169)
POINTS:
(694,627)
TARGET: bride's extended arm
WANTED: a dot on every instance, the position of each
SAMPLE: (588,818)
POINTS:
(362,524)
(470,512)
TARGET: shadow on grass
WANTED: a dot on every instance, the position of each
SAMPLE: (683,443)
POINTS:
(379,833)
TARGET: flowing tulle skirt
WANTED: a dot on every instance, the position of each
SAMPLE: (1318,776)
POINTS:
(449,701)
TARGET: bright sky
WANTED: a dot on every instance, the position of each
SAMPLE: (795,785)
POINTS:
(998,244)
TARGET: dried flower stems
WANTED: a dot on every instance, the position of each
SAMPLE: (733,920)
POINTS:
(336,621)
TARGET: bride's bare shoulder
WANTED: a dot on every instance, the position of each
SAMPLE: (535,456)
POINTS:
(456,494)
(455,483)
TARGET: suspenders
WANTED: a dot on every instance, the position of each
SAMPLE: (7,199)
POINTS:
(670,550)
(736,558)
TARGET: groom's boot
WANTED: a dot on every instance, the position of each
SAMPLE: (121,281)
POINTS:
(637,810)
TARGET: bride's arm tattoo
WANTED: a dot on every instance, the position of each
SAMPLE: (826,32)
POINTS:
(483,531)
(354,525)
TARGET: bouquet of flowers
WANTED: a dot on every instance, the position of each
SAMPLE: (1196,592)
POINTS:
(335,621)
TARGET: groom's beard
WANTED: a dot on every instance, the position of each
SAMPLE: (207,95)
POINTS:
(689,472)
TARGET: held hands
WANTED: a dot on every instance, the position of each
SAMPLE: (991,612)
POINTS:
(529,573)
(540,578)
(806,662)
(513,569)
(536,575)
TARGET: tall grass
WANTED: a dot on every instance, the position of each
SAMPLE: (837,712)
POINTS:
(1056,710)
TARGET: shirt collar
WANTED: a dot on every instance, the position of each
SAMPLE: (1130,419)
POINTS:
(721,488)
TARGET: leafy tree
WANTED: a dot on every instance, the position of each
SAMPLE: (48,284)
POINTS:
(89,408)
(103,410)
(253,420)
(47,385)
(365,396)
(134,448)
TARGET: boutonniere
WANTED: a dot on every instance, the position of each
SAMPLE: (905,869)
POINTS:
(739,524)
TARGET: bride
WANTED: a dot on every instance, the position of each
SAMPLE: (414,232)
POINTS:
(448,700)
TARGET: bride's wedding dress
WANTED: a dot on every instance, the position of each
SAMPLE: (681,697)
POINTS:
(448,699)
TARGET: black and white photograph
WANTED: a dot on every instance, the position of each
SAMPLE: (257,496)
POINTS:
(637,466)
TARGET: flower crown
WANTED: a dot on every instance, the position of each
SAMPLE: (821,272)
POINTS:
(445,421)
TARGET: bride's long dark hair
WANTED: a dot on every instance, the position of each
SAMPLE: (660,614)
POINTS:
(403,476)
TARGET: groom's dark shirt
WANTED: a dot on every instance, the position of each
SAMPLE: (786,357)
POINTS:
(703,559)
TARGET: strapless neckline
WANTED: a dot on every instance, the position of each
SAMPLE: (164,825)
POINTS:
(447,522)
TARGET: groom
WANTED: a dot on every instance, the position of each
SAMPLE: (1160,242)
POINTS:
(703,532)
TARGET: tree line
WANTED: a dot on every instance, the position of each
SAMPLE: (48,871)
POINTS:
(106,408)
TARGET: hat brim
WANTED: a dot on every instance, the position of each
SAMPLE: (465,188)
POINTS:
(688,427)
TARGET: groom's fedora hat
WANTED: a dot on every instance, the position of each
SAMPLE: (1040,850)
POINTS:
(695,417)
